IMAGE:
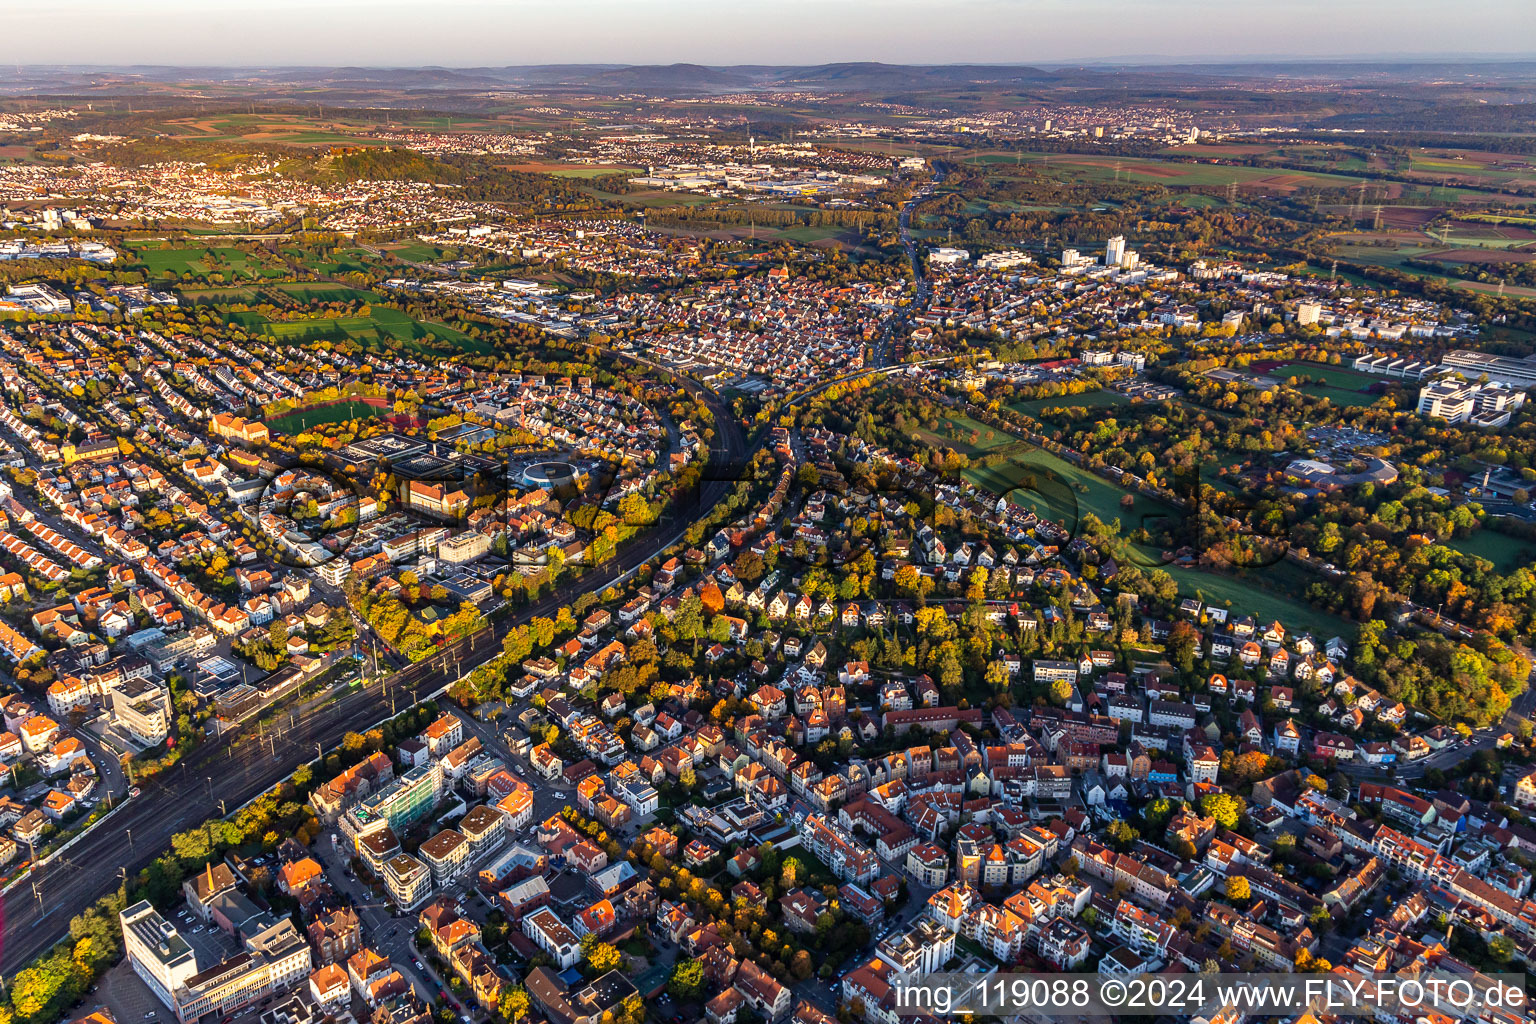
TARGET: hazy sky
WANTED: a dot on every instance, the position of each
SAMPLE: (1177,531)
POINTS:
(496,32)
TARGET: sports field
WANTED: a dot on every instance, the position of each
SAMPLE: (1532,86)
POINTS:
(300,420)
(418,252)
(235,264)
(285,294)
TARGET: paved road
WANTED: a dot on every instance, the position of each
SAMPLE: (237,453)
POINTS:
(238,767)
(901,318)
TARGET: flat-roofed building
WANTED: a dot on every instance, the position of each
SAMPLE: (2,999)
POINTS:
(158,953)
(446,854)
(552,935)
(273,960)
(408,880)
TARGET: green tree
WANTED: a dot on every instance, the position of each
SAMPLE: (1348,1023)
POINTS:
(514,1003)
(687,979)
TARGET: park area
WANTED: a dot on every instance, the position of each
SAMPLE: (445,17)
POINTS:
(966,436)
(1505,552)
(382,322)
(161,260)
(1055,489)
(1340,385)
(1087,400)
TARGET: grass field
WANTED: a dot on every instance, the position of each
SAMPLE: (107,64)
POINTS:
(216,296)
(966,436)
(652,198)
(160,262)
(299,420)
(1342,386)
(1088,400)
(382,322)
(233,263)
(560,170)
(418,252)
(1260,593)
(299,291)
(341,261)
(1055,489)
(1505,552)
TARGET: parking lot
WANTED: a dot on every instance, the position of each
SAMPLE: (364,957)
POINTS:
(207,941)
(130,1000)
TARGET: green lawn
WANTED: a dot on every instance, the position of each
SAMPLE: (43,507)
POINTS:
(418,252)
(301,291)
(299,420)
(1055,489)
(966,436)
(160,262)
(1088,400)
(324,291)
(217,296)
(1505,552)
(592,172)
(234,264)
(382,322)
(1259,592)
(1342,386)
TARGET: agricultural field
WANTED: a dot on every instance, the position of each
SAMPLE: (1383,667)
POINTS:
(1396,258)
(1173,174)
(304,130)
(1470,167)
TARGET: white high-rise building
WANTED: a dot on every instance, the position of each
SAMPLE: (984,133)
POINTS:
(1307,313)
(1114,251)
(159,955)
